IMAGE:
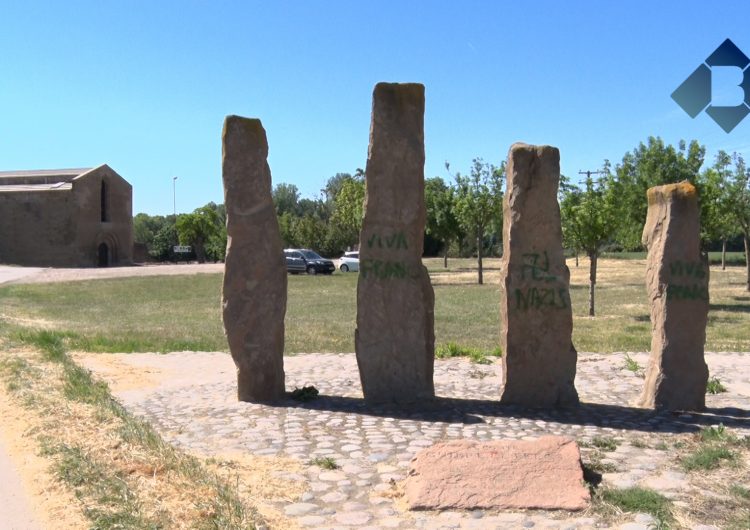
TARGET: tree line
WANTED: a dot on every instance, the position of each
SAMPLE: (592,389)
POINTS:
(464,211)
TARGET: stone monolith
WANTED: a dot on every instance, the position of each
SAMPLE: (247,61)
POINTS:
(539,360)
(677,286)
(254,292)
(395,302)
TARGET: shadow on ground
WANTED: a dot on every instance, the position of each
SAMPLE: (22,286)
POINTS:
(474,411)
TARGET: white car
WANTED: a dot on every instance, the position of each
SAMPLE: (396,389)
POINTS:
(349,261)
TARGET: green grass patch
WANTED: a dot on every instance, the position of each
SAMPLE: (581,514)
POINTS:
(176,313)
(605,443)
(639,500)
(715,434)
(740,491)
(451,349)
(714,386)
(707,457)
(631,364)
(325,462)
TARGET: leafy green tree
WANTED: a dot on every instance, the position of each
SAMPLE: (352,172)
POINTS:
(441,223)
(588,221)
(739,201)
(198,229)
(651,164)
(479,200)
(145,228)
(717,221)
(310,232)
(162,246)
(346,221)
(286,199)
(288,229)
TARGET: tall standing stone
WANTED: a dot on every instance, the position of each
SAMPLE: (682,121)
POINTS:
(254,293)
(539,360)
(677,285)
(395,302)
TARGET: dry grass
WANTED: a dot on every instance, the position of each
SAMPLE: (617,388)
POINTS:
(120,471)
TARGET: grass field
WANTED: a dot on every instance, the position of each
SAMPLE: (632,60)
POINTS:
(172,313)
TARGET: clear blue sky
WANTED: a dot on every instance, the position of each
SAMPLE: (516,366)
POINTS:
(144,86)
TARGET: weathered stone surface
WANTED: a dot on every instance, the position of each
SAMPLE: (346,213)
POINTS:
(395,330)
(545,473)
(539,360)
(254,293)
(677,285)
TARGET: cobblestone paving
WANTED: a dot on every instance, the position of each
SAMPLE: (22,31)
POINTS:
(373,445)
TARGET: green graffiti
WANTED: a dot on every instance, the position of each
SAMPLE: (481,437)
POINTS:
(382,270)
(539,268)
(679,268)
(396,241)
(537,298)
(687,292)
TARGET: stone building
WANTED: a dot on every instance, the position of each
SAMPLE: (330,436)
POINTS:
(66,218)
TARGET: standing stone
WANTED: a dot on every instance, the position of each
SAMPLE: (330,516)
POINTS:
(395,302)
(677,285)
(539,360)
(254,293)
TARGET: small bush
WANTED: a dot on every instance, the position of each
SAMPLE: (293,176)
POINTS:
(306,393)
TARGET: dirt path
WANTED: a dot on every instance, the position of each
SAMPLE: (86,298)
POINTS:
(14,505)
(9,274)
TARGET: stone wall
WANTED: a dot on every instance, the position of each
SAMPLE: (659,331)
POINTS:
(62,227)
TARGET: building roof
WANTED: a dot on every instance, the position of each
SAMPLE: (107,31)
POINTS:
(35,187)
(45,177)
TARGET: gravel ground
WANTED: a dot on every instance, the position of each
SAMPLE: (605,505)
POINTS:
(191,399)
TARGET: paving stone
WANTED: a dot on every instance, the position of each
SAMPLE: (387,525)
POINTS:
(300,508)
(192,415)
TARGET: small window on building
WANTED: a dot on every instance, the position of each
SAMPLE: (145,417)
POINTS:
(105,203)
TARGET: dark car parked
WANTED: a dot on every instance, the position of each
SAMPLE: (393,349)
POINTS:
(294,263)
(314,263)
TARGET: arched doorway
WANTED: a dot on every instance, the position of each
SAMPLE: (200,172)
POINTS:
(103,260)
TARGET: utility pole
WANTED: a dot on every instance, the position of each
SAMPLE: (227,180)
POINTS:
(587,173)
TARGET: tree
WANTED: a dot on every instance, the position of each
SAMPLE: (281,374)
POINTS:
(650,164)
(285,199)
(348,211)
(717,221)
(162,246)
(441,223)
(588,220)
(479,200)
(739,201)
(198,229)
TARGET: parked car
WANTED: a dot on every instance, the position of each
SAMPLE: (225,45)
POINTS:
(294,264)
(314,263)
(349,261)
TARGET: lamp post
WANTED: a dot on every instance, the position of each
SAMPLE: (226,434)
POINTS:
(174,196)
